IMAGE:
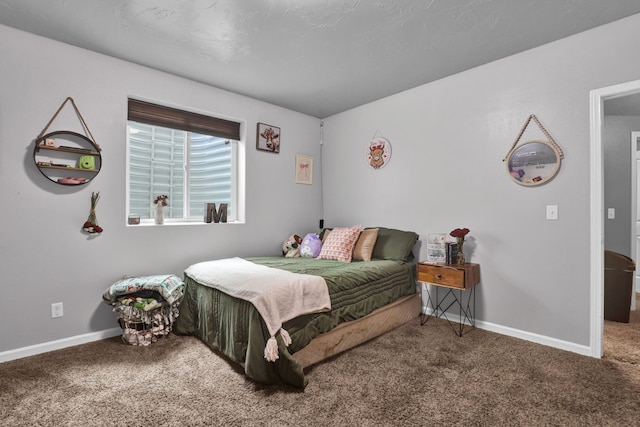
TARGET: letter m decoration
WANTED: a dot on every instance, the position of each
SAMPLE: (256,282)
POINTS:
(217,215)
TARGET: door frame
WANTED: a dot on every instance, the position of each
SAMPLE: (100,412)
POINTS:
(596,274)
(635,139)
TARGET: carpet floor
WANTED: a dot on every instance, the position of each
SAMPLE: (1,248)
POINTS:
(413,375)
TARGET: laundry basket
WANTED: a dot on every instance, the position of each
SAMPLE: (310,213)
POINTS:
(618,286)
(147,306)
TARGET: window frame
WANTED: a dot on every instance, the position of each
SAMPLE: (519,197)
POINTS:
(194,122)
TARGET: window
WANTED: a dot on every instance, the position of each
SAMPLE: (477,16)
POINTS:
(191,158)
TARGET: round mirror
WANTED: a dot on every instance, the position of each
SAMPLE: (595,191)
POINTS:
(533,163)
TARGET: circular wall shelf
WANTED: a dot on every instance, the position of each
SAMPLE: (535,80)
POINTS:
(67,158)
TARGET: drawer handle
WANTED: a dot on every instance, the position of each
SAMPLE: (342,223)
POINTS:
(438,276)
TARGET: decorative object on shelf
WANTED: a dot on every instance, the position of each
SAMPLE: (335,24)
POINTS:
(452,253)
(378,152)
(133,219)
(533,162)
(436,247)
(91,225)
(81,158)
(87,162)
(217,215)
(459,234)
(70,180)
(304,169)
(268,138)
(160,202)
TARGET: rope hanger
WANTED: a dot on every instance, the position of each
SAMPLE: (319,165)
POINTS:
(544,131)
(84,123)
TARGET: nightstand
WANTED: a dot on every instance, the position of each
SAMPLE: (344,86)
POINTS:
(457,281)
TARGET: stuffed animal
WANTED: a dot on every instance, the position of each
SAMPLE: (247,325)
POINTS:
(291,246)
(311,246)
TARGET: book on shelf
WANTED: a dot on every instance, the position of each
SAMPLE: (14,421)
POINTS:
(452,253)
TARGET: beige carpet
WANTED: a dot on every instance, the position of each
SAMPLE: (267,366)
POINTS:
(413,376)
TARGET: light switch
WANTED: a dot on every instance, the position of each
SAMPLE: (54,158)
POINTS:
(611,213)
(552,212)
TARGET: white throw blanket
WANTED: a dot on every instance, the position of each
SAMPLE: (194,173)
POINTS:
(278,295)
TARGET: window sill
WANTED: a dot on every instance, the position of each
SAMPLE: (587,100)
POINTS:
(171,224)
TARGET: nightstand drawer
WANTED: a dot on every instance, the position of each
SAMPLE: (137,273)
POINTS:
(441,276)
(461,277)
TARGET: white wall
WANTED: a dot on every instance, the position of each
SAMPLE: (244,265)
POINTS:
(46,258)
(449,138)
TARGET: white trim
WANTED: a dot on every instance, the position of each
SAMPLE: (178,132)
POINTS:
(503,330)
(58,344)
(596,270)
(536,338)
(515,333)
(596,263)
(109,333)
(635,137)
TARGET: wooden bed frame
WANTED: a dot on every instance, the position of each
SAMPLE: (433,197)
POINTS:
(350,334)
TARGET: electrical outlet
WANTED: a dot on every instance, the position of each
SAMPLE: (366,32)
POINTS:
(56,310)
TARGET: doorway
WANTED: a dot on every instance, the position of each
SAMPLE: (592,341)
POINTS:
(597,98)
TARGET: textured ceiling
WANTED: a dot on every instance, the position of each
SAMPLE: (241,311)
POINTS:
(318,57)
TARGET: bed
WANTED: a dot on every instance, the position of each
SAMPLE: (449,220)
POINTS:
(369,295)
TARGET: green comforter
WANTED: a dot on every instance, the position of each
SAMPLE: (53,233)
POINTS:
(234,328)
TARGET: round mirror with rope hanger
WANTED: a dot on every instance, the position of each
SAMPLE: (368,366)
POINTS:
(534,162)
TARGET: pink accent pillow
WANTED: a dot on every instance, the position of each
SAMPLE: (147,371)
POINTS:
(339,243)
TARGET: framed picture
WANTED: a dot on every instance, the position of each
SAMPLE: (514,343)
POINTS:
(268,138)
(304,169)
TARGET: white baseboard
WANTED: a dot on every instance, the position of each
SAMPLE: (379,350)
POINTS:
(32,350)
(527,336)
(95,336)
(536,338)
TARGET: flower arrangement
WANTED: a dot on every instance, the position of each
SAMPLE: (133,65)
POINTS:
(161,199)
(160,202)
(459,234)
(91,225)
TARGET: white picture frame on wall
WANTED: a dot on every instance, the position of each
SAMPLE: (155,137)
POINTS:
(304,169)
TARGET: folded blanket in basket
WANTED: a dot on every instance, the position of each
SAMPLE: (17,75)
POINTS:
(169,286)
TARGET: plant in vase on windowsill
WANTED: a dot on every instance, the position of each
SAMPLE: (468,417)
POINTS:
(160,202)
(459,234)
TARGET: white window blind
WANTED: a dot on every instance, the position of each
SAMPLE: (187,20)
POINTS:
(210,173)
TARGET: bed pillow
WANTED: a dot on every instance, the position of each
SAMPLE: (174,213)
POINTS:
(324,233)
(394,244)
(339,243)
(365,244)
